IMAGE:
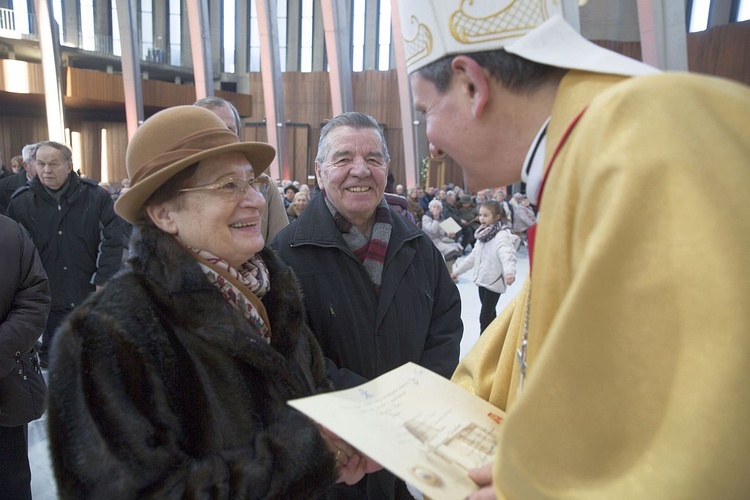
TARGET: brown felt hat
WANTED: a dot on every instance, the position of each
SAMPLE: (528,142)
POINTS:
(172,140)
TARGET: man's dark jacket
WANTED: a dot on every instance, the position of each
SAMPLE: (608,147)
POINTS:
(415,317)
(24,305)
(79,239)
(9,185)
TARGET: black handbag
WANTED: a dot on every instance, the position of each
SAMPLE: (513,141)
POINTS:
(23,392)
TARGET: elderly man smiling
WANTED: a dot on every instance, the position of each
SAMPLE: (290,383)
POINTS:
(376,290)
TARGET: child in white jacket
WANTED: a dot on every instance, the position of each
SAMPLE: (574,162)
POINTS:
(493,259)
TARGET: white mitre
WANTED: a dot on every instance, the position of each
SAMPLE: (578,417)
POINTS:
(531,29)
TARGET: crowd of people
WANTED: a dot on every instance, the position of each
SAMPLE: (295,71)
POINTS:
(180,313)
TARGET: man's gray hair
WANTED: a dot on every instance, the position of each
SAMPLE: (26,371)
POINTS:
(28,152)
(353,120)
(65,150)
(213,102)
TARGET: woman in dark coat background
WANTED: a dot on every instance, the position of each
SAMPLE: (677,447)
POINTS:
(172,381)
(24,304)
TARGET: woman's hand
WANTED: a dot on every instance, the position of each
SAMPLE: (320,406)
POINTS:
(351,464)
(483,477)
(510,279)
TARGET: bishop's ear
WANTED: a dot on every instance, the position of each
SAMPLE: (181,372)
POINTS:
(473,79)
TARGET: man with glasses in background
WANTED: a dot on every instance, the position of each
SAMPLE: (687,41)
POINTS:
(74,226)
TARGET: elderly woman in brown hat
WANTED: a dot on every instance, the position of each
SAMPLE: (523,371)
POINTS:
(173,380)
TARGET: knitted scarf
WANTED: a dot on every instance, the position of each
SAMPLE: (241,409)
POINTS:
(486,233)
(242,288)
(370,252)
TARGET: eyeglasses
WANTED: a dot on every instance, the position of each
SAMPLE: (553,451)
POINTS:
(236,188)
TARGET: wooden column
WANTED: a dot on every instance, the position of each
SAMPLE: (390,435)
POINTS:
(273,91)
(663,34)
(241,30)
(200,44)
(131,64)
(336,26)
(572,14)
(49,45)
(409,123)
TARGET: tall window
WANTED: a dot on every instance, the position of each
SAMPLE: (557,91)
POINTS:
(175,32)
(116,44)
(254,53)
(57,13)
(282,25)
(306,36)
(147,30)
(230,37)
(21,13)
(743,11)
(88,38)
(384,36)
(699,15)
(358,35)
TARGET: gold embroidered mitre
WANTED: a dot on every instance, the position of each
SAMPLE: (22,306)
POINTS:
(433,29)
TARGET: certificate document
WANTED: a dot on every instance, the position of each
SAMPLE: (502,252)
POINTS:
(415,423)
(450,226)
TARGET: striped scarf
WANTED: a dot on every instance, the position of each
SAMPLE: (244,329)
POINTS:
(370,252)
(242,288)
(486,233)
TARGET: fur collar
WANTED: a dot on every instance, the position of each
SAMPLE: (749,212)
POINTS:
(181,285)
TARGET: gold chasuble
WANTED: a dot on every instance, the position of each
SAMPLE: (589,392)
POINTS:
(638,378)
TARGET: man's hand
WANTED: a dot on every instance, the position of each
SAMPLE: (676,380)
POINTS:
(483,477)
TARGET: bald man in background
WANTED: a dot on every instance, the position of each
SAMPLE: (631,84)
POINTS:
(274,216)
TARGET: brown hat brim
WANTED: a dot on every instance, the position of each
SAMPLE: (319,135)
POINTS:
(129,204)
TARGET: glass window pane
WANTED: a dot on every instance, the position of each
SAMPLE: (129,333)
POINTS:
(358,57)
(282,31)
(175,32)
(88,38)
(21,17)
(699,15)
(57,14)
(743,12)
(307,8)
(384,36)
(254,58)
(230,40)
(306,59)
(116,45)
(358,23)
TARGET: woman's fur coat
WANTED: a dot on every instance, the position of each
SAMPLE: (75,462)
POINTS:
(159,389)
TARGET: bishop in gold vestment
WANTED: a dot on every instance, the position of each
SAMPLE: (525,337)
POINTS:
(636,315)
(639,326)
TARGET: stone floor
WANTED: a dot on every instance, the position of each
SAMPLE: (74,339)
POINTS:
(43,483)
